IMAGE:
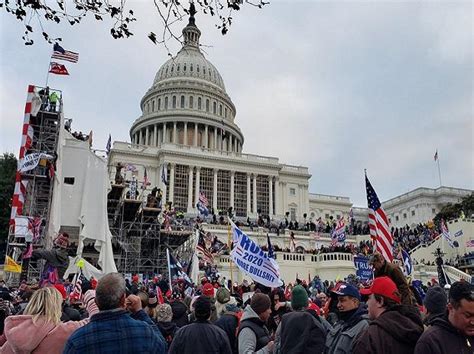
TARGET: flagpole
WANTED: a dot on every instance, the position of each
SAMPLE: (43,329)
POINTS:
(439,172)
(169,268)
(230,256)
(49,67)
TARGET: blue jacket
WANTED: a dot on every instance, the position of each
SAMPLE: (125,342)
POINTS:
(116,331)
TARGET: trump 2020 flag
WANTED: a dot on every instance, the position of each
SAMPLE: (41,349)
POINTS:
(253,261)
(58,69)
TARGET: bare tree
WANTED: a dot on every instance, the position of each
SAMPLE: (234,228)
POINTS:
(118,15)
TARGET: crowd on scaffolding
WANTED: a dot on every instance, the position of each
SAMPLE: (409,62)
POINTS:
(151,314)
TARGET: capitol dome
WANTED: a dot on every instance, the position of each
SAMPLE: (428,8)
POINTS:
(188,103)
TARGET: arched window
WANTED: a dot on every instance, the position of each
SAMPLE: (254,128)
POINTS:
(197,67)
(191,102)
(214,107)
(174,102)
(153,105)
(177,68)
(182,102)
(220,110)
(184,67)
(225,112)
(159,103)
(172,68)
(199,103)
(207,105)
(166,102)
(191,67)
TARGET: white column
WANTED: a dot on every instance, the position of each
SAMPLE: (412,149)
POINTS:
(215,138)
(155,135)
(255,194)
(214,192)
(195,134)
(232,177)
(174,133)
(248,194)
(147,136)
(277,197)
(171,182)
(185,138)
(285,198)
(198,185)
(164,133)
(270,196)
(206,136)
(190,189)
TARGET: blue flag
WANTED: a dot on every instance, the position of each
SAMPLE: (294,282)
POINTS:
(271,252)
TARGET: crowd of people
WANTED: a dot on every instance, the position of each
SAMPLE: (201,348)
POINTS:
(117,315)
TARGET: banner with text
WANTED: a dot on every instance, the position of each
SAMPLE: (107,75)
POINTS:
(252,260)
(363,268)
(30,161)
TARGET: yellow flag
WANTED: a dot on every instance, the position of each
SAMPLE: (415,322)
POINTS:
(11,265)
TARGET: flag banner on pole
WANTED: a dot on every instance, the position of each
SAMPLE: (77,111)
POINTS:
(363,269)
(164,174)
(109,144)
(407,265)
(77,290)
(378,224)
(271,253)
(253,261)
(58,69)
(30,161)
(339,233)
(202,204)
(176,269)
(11,266)
(445,233)
(62,54)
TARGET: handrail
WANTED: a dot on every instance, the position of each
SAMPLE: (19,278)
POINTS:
(457,273)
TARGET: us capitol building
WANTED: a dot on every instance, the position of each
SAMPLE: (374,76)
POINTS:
(188,131)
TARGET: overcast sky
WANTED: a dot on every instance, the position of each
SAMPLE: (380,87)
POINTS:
(337,86)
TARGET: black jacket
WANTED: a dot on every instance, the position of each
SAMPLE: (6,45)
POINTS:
(180,313)
(442,337)
(301,332)
(168,330)
(395,331)
(229,323)
(200,337)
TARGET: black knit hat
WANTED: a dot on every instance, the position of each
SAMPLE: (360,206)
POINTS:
(260,303)
(435,300)
(202,308)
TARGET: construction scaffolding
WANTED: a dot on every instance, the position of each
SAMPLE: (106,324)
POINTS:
(138,233)
(29,227)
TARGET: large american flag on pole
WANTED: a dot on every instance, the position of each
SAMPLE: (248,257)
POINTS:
(378,224)
(62,54)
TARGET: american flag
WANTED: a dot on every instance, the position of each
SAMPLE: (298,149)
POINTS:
(62,54)
(109,144)
(271,253)
(203,199)
(378,224)
(77,290)
(445,233)
(146,182)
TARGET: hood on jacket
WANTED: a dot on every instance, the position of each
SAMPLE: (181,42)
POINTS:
(360,313)
(249,313)
(167,328)
(402,322)
(22,335)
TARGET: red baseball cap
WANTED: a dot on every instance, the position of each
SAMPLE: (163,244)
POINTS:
(383,286)
(208,290)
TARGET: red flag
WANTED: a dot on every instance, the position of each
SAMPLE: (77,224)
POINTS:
(58,69)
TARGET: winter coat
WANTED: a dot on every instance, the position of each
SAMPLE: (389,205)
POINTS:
(442,337)
(200,337)
(118,332)
(180,313)
(168,330)
(394,272)
(253,334)
(395,331)
(24,336)
(229,323)
(300,332)
(56,257)
(339,339)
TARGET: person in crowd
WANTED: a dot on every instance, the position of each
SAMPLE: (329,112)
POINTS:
(68,312)
(39,329)
(152,304)
(454,332)
(254,336)
(200,336)
(435,304)
(393,271)
(353,319)
(57,258)
(394,328)
(114,329)
(300,331)
(229,321)
(279,308)
(163,316)
(53,100)
(180,310)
